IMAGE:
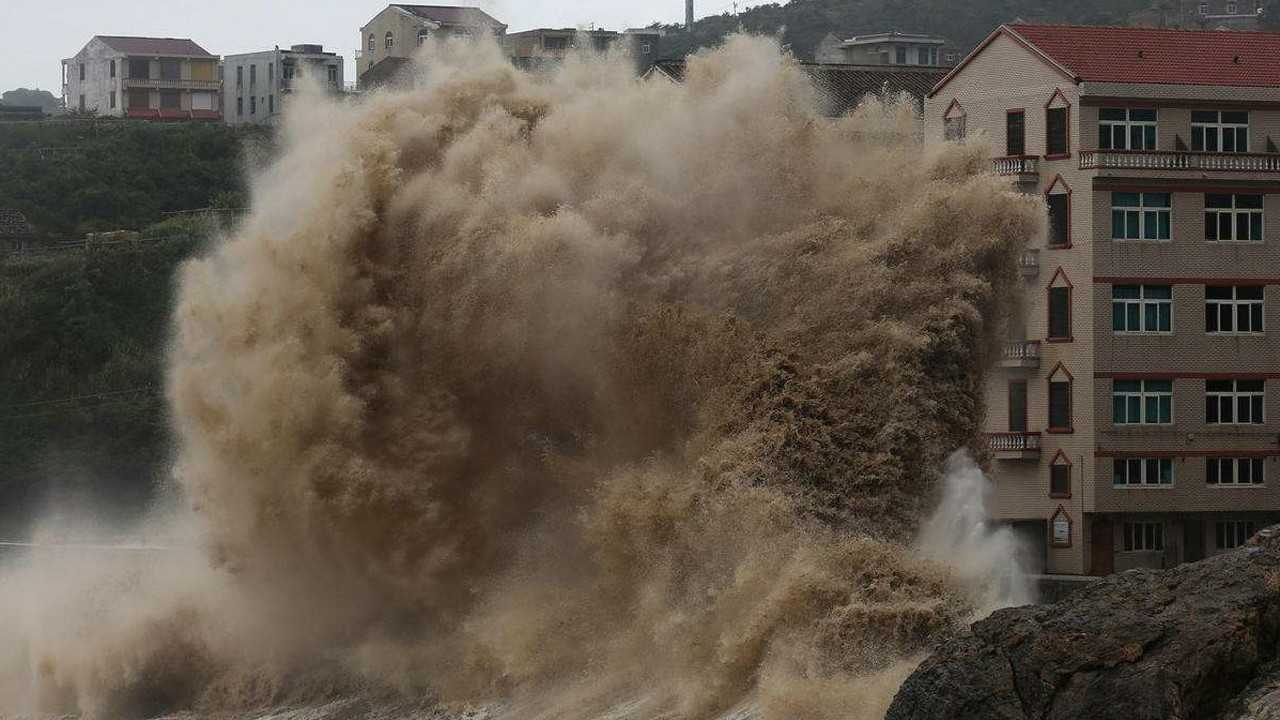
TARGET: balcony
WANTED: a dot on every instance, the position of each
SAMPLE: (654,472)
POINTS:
(1014,446)
(172,84)
(1022,168)
(1021,354)
(1029,263)
(1179,161)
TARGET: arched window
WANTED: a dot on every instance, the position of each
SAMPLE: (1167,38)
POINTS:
(953,122)
(1060,390)
(1059,307)
(1058,198)
(390,40)
(373,43)
(423,34)
(1060,476)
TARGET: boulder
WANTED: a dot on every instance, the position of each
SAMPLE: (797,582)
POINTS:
(1197,641)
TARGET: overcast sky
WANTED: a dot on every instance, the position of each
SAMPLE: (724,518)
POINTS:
(55,29)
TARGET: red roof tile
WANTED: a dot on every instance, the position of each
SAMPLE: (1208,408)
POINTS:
(1152,55)
(155,46)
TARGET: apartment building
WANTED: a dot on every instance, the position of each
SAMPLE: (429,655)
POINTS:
(395,34)
(546,48)
(144,78)
(888,48)
(1134,420)
(257,85)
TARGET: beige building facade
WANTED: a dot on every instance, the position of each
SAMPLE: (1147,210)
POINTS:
(398,30)
(1134,418)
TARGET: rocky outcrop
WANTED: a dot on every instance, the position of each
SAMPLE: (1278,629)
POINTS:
(1198,641)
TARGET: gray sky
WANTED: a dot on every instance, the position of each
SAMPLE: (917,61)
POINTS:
(57,29)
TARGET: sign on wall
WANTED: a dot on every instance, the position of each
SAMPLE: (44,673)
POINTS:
(1060,528)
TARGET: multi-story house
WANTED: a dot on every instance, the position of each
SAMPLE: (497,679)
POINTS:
(397,31)
(1134,420)
(544,48)
(888,48)
(255,86)
(146,78)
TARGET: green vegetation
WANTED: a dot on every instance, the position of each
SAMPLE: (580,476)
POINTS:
(74,177)
(802,24)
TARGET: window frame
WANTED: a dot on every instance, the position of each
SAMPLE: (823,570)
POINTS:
(1142,211)
(1134,533)
(1257,309)
(1213,475)
(1060,462)
(388,41)
(1070,290)
(1144,466)
(1060,376)
(1143,395)
(1234,212)
(1008,139)
(1218,399)
(1220,129)
(1049,153)
(1066,194)
(1128,125)
(1240,531)
(1142,303)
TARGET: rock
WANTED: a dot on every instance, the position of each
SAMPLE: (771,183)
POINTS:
(1194,642)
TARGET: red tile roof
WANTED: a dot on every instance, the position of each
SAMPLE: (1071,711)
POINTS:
(450,15)
(155,46)
(1151,55)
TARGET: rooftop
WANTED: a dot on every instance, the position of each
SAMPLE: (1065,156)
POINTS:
(1153,55)
(894,36)
(184,47)
(451,15)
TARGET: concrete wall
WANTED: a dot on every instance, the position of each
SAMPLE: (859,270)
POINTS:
(402,25)
(98,85)
(271,89)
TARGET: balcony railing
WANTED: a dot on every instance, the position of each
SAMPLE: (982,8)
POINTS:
(1014,445)
(1030,263)
(176,84)
(1016,165)
(1020,354)
(1179,161)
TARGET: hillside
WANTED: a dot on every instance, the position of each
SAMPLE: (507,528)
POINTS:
(803,24)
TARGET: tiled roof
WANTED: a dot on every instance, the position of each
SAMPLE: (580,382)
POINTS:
(14,224)
(1151,55)
(673,69)
(449,15)
(155,46)
(846,85)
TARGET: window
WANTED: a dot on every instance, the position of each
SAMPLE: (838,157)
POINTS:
(253,76)
(423,34)
(1234,402)
(253,105)
(389,41)
(1015,133)
(373,44)
(81,72)
(646,48)
(1233,533)
(1018,406)
(1232,8)
(333,74)
(239,76)
(1234,471)
(1142,308)
(924,57)
(555,43)
(1204,8)
(1060,477)
(139,98)
(113,99)
(1142,472)
(1213,131)
(951,57)
(1056,139)
(271,72)
(1059,219)
(271,104)
(1059,313)
(1141,216)
(239,106)
(1060,402)
(113,70)
(170,70)
(1127,129)
(1142,402)
(1233,218)
(902,56)
(1143,536)
(170,100)
(139,68)
(1233,308)
(953,123)
(82,109)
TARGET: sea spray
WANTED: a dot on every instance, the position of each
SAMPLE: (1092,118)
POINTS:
(567,394)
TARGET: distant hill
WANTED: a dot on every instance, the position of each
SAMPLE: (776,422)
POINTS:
(802,24)
(23,97)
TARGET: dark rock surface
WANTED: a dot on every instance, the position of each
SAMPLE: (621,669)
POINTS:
(1199,641)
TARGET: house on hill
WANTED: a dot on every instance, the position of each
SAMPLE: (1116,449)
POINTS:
(1134,414)
(143,78)
(396,32)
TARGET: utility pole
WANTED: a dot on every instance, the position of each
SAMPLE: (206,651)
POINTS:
(688,14)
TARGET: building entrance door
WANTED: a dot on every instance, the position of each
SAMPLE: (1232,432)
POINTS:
(1192,539)
(1102,558)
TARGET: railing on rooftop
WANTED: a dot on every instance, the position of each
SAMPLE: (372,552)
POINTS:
(1179,160)
(1015,165)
